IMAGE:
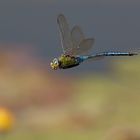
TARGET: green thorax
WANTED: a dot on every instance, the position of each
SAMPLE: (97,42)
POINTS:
(67,61)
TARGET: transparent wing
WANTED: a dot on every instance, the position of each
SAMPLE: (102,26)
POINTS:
(73,42)
(80,44)
(65,34)
(77,36)
(84,46)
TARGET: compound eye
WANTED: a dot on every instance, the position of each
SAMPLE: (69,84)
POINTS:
(51,63)
(56,63)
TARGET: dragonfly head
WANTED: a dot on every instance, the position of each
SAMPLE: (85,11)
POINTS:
(54,64)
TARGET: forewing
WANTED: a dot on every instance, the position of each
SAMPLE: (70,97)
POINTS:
(77,36)
(65,34)
(84,46)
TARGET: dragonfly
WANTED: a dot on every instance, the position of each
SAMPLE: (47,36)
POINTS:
(75,47)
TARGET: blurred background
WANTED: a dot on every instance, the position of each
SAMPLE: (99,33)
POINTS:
(97,100)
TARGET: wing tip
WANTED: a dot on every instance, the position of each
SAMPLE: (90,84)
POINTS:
(92,40)
(61,19)
(60,16)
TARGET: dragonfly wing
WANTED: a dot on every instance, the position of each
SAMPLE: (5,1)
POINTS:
(73,42)
(65,34)
(84,46)
(77,36)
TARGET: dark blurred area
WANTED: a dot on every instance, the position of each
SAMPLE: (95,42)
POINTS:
(97,100)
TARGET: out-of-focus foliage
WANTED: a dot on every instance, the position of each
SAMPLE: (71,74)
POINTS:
(46,106)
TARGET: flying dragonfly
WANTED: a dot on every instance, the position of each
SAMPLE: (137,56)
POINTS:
(75,45)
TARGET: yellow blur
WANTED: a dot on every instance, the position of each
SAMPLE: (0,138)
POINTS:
(6,120)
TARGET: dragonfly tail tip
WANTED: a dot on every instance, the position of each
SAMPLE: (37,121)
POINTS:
(131,54)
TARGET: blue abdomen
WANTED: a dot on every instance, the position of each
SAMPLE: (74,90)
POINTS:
(80,59)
